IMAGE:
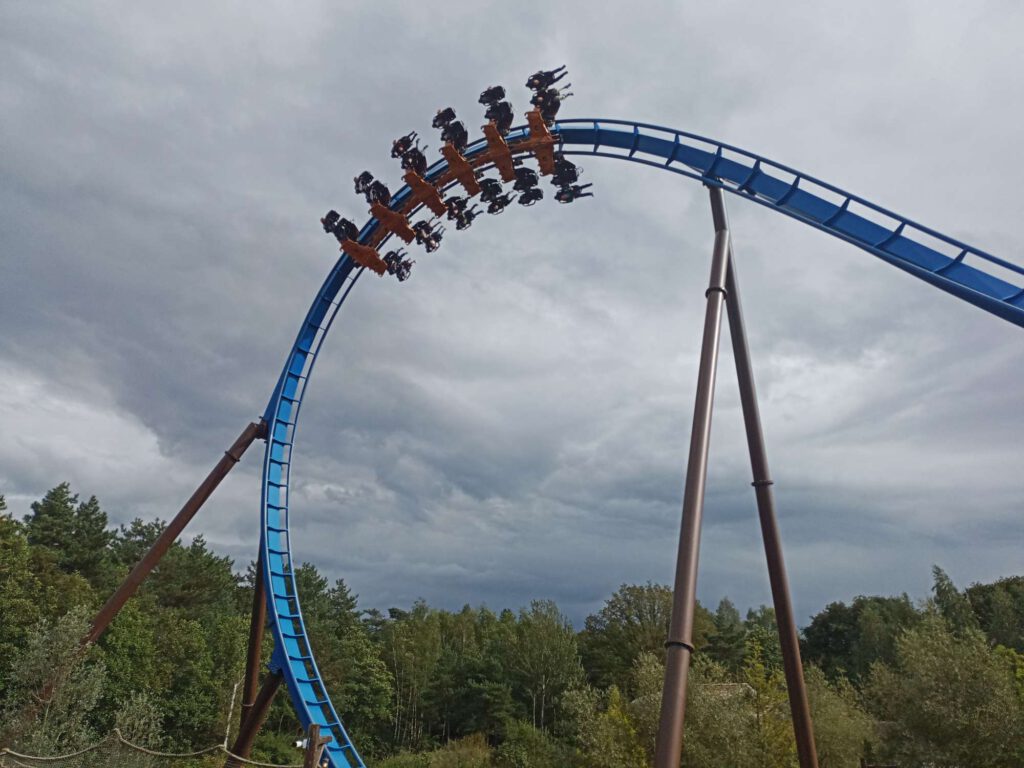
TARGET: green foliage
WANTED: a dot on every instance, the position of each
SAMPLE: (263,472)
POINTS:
(761,634)
(842,728)
(354,672)
(544,658)
(193,579)
(470,752)
(645,708)
(952,604)
(472,688)
(75,531)
(430,688)
(727,640)
(718,718)
(601,731)
(633,620)
(275,744)
(189,664)
(949,699)
(845,640)
(1000,610)
(140,721)
(773,741)
(411,647)
(1015,662)
(528,747)
(134,661)
(19,590)
(53,688)
(406,760)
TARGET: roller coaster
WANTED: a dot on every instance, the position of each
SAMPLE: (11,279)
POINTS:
(968,273)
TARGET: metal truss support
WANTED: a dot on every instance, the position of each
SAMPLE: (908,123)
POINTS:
(724,289)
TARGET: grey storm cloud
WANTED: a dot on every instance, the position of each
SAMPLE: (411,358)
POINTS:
(512,423)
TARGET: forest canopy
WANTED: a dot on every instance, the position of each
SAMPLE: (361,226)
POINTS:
(936,681)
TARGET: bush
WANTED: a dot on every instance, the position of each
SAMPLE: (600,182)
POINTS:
(406,760)
(470,752)
(949,700)
(526,747)
(841,727)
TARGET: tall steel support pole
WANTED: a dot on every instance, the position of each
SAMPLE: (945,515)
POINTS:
(174,528)
(679,646)
(802,726)
(257,623)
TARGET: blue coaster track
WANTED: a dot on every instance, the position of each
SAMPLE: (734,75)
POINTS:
(957,268)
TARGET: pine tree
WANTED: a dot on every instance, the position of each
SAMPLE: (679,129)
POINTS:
(76,532)
(728,639)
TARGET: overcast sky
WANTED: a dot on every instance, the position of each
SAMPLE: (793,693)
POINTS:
(512,422)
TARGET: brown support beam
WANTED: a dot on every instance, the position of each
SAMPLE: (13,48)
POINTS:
(314,747)
(257,715)
(803,727)
(257,622)
(174,528)
(679,646)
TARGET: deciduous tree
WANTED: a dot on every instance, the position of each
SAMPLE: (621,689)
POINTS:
(949,700)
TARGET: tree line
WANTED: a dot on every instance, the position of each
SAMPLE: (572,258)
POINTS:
(938,682)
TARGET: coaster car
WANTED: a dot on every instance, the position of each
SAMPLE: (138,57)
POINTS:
(455,133)
(433,241)
(549,101)
(378,193)
(531,196)
(414,160)
(454,206)
(404,270)
(465,219)
(393,259)
(443,117)
(402,144)
(362,182)
(422,230)
(342,229)
(489,189)
(492,95)
(501,115)
(545,78)
(566,172)
(526,178)
(568,193)
(499,204)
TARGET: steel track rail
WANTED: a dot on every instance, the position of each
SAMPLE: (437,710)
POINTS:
(949,264)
